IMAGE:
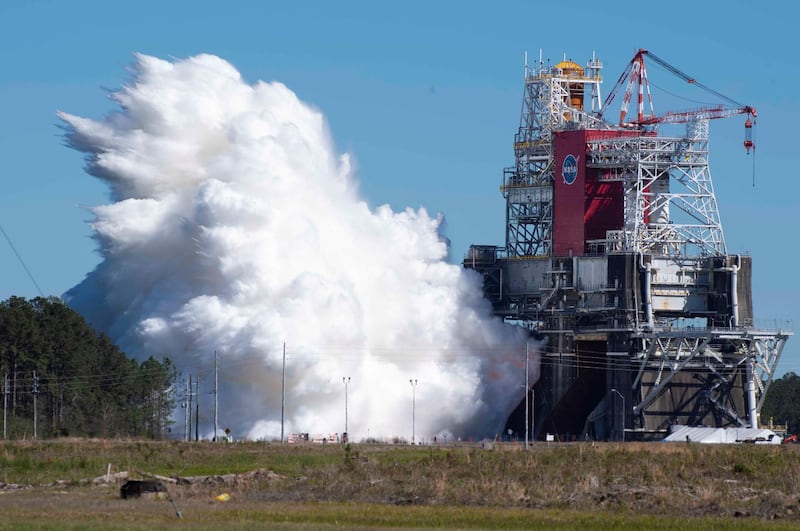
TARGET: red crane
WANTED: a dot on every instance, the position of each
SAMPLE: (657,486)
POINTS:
(636,73)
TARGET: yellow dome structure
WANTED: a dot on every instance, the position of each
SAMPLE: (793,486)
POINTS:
(570,67)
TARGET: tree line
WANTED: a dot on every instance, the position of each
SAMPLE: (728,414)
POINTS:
(76,382)
(782,403)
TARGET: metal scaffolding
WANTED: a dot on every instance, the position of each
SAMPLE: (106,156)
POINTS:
(547,106)
(670,206)
(608,267)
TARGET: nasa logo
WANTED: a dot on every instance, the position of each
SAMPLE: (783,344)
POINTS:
(569,169)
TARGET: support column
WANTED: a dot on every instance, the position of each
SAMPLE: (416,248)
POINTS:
(734,296)
(751,392)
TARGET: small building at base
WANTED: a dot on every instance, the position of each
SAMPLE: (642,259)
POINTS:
(703,434)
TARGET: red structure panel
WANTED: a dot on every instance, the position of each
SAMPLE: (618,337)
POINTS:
(603,206)
(568,193)
(586,203)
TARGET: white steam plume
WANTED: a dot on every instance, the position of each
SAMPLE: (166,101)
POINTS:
(236,227)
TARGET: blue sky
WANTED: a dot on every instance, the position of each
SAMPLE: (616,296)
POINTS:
(425,96)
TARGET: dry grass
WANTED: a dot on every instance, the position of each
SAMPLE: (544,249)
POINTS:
(610,485)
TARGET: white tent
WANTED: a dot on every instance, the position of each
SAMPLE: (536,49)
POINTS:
(722,435)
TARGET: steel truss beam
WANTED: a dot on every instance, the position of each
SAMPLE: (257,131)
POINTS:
(722,354)
(670,205)
(527,187)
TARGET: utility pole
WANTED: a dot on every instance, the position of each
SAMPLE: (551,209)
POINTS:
(35,394)
(216,391)
(197,410)
(189,409)
(283,389)
(14,390)
(413,383)
(186,411)
(5,407)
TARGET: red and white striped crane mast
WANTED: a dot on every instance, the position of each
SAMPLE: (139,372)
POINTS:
(636,74)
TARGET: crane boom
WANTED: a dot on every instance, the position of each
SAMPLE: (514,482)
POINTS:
(703,113)
(636,74)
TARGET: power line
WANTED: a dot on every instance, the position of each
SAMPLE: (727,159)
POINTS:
(21,261)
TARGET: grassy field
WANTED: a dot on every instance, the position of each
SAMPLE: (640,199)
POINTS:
(581,485)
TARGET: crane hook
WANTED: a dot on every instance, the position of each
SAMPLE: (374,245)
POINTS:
(748,135)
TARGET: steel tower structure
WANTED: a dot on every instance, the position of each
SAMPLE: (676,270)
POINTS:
(528,186)
(615,258)
(670,206)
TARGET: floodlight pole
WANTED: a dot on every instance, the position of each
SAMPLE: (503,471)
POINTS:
(527,430)
(283,389)
(345,381)
(413,383)
(623,412)
(216,389)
